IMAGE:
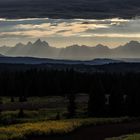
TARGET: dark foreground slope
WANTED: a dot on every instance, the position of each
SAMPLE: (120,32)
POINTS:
(97,132)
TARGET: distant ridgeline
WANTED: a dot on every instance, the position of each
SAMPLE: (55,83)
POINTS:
(42,49)
(111,94)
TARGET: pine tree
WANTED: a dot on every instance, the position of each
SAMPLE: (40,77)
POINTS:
(12,99)
(1,104)
(21,113)
(96,104)
(71,105)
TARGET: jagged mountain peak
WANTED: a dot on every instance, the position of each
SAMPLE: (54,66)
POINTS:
(39,43)
(100,46)
(45,43)
(76,46)
(41,48)
(29,43)
(132,44)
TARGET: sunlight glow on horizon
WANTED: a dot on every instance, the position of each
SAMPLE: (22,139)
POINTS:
(64,32)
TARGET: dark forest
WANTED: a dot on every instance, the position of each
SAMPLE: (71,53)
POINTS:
(111,94)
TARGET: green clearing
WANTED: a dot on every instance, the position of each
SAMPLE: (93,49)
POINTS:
(39,109)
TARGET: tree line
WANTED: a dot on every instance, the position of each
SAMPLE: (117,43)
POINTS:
(110,94)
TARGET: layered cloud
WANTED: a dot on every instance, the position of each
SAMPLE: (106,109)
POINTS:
(69,28)
(55,27)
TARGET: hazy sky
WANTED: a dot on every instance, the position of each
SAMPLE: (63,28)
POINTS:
(65,32)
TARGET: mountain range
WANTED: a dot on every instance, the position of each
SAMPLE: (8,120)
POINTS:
(42,49)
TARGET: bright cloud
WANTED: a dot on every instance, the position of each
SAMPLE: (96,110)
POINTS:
(62,29)
(70,28)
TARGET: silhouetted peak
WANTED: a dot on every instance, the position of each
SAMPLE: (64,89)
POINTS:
(45,43)
(133,43)
(38,42)
(41,43)
(72,46)
(131,47)
(19,45)
(76,46)
(29,43)
(101,46)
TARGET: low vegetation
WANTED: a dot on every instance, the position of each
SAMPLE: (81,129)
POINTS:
(127,137)
(45,128)
(42,109)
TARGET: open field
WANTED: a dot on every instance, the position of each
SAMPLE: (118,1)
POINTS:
(39,109)
(39,121)
(40,114)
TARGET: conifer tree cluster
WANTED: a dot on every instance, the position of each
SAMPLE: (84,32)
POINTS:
(110,94)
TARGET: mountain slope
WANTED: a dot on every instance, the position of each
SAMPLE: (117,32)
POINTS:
(129,50)
(4,49)
(36,49)
(84,52)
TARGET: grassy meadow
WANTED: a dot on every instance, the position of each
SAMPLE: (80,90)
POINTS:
(39,117)
(45,128)
(39,109)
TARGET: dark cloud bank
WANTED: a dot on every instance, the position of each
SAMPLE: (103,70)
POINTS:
(69,8)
